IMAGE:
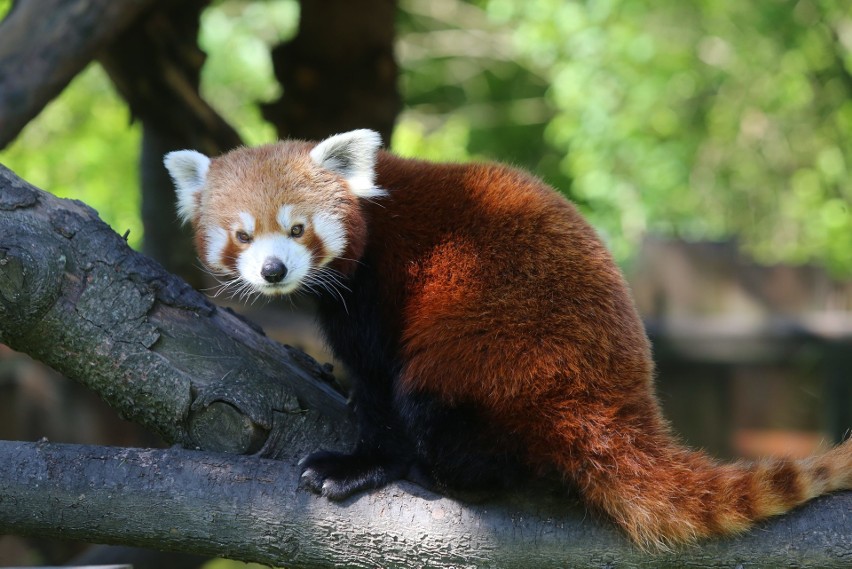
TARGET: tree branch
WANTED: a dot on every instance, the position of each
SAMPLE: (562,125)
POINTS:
(250,508)
(44,44)
(75,296)
(156,67)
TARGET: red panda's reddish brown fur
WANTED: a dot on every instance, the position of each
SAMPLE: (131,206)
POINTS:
(493,292)
(564,360)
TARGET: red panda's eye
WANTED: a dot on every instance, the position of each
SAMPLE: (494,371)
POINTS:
(297,230)
(243,237)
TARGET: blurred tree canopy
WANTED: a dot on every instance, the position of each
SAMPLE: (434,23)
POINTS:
(700,120)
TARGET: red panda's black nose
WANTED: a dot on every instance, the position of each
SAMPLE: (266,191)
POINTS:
(273,270)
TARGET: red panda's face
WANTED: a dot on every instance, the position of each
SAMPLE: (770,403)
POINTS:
(274,219)
(277,250)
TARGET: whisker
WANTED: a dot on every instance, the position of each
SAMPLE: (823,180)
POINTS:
(358,261)
(226,286)
(328,280)
(332,279)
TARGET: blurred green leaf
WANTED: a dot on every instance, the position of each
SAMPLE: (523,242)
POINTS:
(703,120)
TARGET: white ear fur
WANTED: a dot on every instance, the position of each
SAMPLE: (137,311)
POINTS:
(188,170)
(353,156)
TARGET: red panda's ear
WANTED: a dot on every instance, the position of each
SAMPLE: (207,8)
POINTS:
(353,156)
(188,170)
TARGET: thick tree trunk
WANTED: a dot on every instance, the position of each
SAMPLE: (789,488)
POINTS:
(75,296)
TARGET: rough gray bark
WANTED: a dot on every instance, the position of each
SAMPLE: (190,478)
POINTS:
(44,44)
(75,296)
(250,508)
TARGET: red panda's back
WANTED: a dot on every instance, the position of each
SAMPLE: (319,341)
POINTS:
(504,291)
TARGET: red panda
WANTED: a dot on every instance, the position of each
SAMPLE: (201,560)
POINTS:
(488,333)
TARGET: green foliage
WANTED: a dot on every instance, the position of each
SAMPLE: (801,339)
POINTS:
(703,119)
(231,564)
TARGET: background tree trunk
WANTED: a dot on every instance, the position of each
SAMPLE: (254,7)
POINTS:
(156,67)
(339,72)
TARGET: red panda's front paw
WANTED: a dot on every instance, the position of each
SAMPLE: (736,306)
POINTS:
(337,476)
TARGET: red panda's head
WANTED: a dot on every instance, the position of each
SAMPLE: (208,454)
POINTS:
(279,217)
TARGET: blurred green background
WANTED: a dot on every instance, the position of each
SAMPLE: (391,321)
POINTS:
(705,119)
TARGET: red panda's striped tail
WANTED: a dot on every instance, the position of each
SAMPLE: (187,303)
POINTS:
(664,495)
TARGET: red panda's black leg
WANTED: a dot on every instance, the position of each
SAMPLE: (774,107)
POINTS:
(458,447)
(450,449)
(367,347)
(382,455)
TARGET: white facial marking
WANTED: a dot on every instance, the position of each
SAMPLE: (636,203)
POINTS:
(217,239)
(285,217)
(332,233)
(247,221)
(295,256)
